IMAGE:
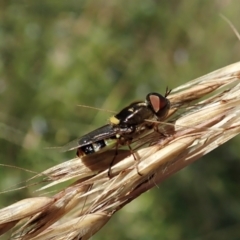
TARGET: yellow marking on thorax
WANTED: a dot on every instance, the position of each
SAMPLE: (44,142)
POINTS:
(114,120)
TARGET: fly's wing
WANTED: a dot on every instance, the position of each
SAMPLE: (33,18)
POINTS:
(106,131)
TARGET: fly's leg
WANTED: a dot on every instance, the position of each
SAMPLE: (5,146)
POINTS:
(156,129)
(135,158)
(115,155)
(112,162)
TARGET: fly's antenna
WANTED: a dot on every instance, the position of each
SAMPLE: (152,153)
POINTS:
(168,91)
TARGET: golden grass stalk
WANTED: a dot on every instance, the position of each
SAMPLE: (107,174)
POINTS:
(195,126)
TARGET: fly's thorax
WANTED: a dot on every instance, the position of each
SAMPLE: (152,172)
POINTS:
(132,115)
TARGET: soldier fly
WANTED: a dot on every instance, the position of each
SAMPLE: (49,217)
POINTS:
(123,127)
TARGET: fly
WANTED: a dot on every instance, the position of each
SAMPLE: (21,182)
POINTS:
(123,127)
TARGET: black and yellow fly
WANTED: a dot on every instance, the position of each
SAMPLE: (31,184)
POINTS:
(123,127)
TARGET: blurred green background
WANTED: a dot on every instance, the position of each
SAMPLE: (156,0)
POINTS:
(55,55)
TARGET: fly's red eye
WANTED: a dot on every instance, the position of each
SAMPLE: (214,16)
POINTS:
(155,102)
(159,104)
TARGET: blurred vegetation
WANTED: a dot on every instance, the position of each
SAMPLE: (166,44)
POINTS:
(55,55)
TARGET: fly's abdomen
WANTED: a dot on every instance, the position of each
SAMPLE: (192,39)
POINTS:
(96,147)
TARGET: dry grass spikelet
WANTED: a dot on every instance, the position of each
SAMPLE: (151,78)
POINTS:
(204,114)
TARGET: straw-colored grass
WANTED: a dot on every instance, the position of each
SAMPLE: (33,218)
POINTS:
(204,114)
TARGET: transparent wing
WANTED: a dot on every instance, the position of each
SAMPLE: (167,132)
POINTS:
(104,132)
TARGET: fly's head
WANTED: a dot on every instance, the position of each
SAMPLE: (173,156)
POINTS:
(159,104)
